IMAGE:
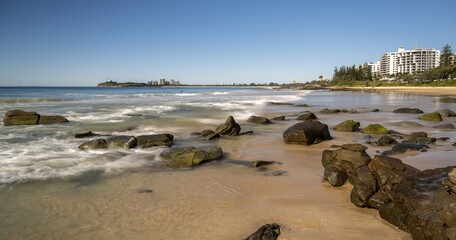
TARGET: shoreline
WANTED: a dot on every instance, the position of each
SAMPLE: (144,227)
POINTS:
(424,91)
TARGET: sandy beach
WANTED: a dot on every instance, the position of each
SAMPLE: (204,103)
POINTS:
(428,91)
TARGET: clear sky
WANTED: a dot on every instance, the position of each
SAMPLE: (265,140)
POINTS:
(79,43)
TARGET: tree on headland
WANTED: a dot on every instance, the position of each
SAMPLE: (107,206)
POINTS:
(446,55)
(345,75)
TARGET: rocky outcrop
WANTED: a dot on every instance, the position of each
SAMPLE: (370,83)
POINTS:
(121,142)
(347,126)
(419,138)
(408,110)
(19,117)
(375,129)
(147,141)
(100,143)
(307,133)
(279,118)
(328,111)
(258,120)
(266,232)
(446,126)
(229,128)
(435,117)
(191,156)
(420,202)
(307,116)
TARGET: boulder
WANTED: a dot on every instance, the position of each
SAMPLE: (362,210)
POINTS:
(375,110)
(121,142)
(191,156)
(19,117)
(99,143)
(335,176)
(385,140)
(446,126)
(307,133)
(258,120)
(266,232)
(435,117)
(409,124)
(408,146)
(213,136)
(307,116)
(328,111)
(420,138)
(347,126)
(229,128)
(85,135)
(375,129)
(446,112)
(279,118)
(147,141)
(206,133)
(408,110)
(52,119)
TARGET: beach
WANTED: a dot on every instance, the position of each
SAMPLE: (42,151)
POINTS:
(427,91)
(52,190)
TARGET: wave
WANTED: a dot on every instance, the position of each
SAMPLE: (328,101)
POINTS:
(33,100)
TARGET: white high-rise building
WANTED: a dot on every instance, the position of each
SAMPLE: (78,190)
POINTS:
(409,61)
(374,67)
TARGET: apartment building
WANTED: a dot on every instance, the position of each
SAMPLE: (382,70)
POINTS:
(409,61)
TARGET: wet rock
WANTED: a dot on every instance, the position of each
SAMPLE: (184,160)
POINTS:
(328,111)
(446,126)
(144,190)
(121,142)
(447,100)
(365,186)
(258,120)
(420,138)
(261,163)
(347,126)
(100,143)
(246,133)
(435,117)
(443,139)
(279,118)
(229,128)
(302,105)
(213,136)
(335,176)
(375,129)
(206,133)
(52,119)
(409,124)
(446,112)
(85,135)
(307,133)
(19,117)
(191,156)
(385,140)
(147,141)
(408,146)
(281,103)
(266,232)
(408,110)
(375,110)
(307,116)
(277,173)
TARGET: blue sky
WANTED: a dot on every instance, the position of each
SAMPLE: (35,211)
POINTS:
(79,43)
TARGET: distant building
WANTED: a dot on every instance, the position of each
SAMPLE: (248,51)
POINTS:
(374,67)
(153,83)
(409,61)
(162,81)
(294,82)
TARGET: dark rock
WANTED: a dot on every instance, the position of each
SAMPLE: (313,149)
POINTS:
(261,163)
(85,135)
(279,118)
(435,117)
(246,133)
(213,136)
(448,126)
(454,144)
(347,126)
(121,142)
(446,112)
(206,133)
(147,141)
(277,173)
(335,176)
(307,133)
(302,105)
(144,190)
(281,103)
(408,110)
(52,119)
(229,128)
(375,110)
(266,232)
(385,140)
(420,138)
(447,100)
(409,124)
(375,129)
(19,117)
(100,143)
(258,120)
(191,156)
(443,139)
(328,111)
(307,116)
(408,146)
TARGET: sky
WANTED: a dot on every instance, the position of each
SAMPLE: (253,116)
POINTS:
(80,43)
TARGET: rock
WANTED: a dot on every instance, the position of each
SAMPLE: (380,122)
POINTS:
(281,103)
(328,111)
(446,112)
(213,136)
(144,190)
(100,143)
(246,133)
(52,119)
(447,126)
(206,133)
(85,135)
(191,156)
(375,129)
(335,176)
(121,142)
(279,118)
(409,124)
(19,117)
(147,141)
(435,117)
(443,139)
(408,146)
(408,110)
(307,116)
(454,144)
(307,133)
(266,232)
(365,186)
(258,120)
(302,105)
(260,163)
(347,126)
(420,138)
(447,100)
(277,173)
(229,128)
(385,140)
(452,177)
(375,110)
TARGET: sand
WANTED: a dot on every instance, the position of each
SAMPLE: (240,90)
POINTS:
(428,91)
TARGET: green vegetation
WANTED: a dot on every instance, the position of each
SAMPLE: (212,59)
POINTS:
(344,75)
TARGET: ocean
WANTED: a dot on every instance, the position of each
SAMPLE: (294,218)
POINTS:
(49,189)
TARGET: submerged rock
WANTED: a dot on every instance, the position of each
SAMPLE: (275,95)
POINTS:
(328,111)
(446,112)
(307,116)
(147,141)
(307,133)
(405,147)
(385,140)
(435,117)
(266,232)
(85,135)
(408,110)
(258,120)
(121,142)
(375,129)
(409,124)
(19,117)
(52,119)
(191,156)
(347,126)
(420,138)
(279,118)
(100,143)
(446,126)
(206,132)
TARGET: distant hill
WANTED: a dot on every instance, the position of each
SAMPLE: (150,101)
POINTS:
(125,84)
